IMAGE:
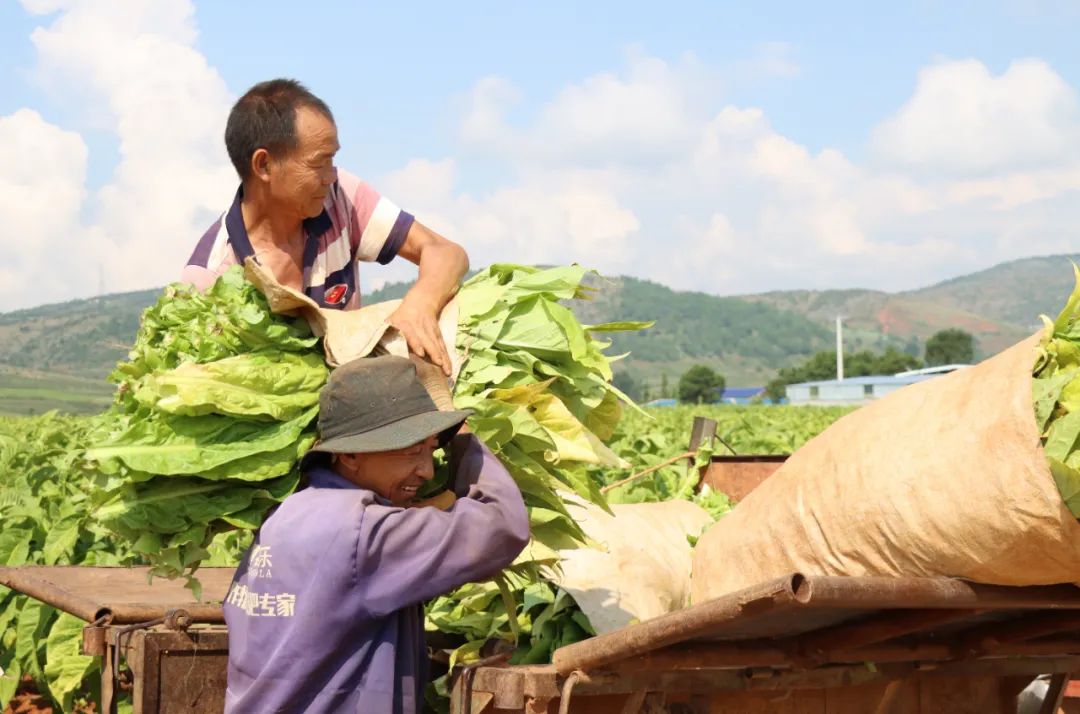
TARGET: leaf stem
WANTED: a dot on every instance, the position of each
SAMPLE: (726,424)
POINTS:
(646,472)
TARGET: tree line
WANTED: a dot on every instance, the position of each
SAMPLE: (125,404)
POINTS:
(701,384)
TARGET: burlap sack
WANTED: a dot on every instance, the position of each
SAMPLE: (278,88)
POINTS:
(640,565)
(348,335)
(942,478)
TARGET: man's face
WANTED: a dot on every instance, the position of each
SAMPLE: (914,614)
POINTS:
(302,178)
(394,475)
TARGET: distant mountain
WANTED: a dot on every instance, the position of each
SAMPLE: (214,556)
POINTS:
(56,356)
(999,306)
(874,320)
(1014,293)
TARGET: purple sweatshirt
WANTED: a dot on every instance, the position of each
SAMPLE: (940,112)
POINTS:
(325,613)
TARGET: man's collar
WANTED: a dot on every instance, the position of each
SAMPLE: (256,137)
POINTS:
(323,477)
(241,243)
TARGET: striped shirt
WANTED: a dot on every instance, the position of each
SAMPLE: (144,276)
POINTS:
(357,224)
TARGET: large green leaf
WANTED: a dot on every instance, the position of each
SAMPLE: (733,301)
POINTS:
(60,541)
(33,623)
(1067,479)
(66,667)
(1046,392)
(10,674)
(270,384)
(1062,436)
(203,445)
(1066,319)
(15,545)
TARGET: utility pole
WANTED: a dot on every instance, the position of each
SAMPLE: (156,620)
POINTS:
(839,348)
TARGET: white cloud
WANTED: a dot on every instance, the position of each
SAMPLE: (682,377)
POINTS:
(672,183)
(638,116)
(42,170)
(129,66)
(484,123)
(530,222)
(963,120)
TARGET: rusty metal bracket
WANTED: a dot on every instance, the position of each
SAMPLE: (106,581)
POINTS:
(466,679)
(568,691)
(112,678)
(118,645)
(93,642)
(179,620)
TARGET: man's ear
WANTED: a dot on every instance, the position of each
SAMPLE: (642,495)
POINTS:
(260,165)
(348,461)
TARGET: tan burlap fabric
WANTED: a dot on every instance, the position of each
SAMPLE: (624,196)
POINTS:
(942,478)
(349,335)
(639,567)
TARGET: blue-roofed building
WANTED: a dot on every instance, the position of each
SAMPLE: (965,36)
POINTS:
(853,390)
(741,395)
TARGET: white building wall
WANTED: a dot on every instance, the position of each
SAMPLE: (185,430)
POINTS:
(797,393)
(841,392)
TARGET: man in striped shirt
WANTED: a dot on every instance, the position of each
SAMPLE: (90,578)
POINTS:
(311,224)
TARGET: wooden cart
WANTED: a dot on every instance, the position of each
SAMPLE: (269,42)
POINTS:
(809,645)
(153,638)
(796,645)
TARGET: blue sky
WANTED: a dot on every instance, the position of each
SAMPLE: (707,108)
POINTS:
(715,146)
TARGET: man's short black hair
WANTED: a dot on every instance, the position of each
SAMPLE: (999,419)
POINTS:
(265,118)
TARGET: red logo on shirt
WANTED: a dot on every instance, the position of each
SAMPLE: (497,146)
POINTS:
(336,294)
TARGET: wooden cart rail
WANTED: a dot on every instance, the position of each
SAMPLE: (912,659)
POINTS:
(123,595)
(808,632)
(153,637)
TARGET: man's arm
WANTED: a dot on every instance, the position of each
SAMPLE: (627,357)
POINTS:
(408,555)
(442,265)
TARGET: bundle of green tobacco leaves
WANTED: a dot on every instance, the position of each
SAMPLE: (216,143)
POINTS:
(215,407)
(219,399)
(540,386)
(1056,390)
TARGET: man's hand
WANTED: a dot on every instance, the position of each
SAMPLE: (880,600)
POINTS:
(420,328)
(442,264)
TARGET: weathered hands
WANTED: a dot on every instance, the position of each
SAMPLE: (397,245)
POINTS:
(419,326)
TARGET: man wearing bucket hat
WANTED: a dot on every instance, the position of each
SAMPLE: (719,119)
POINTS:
(324,612)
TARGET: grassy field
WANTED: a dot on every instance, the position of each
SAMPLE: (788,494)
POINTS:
(27,392)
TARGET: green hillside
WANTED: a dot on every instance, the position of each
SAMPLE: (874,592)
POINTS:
(748,341)
(83,338)
(57,356)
